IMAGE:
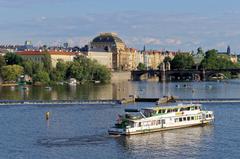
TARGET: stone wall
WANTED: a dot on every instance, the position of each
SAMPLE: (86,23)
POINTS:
(120,76)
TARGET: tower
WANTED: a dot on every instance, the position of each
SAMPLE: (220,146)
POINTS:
(228,50)
(144,48)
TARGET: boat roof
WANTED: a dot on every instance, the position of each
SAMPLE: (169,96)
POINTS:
(132,110)
(171,106)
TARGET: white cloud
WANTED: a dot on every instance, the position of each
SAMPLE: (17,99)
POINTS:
(170,31)
(152,41)
(79,41)
(221,45)
(173,41)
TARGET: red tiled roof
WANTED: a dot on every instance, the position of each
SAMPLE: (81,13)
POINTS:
(42,53)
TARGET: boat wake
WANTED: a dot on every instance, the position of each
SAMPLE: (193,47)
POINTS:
(74,141)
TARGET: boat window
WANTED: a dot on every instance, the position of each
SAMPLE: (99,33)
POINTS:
(192,117)
(184,118)
(210,115)
(188,118)
(127,115)
(169,111)
(163,121)
(185,109)
(131,124)
(135,124)
(175,110)
(139,124)
(153,122)
(176,120)
(149,113)
(158,122)
(180,119)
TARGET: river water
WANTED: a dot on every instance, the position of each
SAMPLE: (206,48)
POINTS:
(80,131)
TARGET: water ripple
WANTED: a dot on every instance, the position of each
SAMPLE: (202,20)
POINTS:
(74,141)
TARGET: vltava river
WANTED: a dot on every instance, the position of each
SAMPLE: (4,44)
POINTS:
(80,131)
(124,89)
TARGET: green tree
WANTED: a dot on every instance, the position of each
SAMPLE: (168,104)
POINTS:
(141,66)
(28,67)
(2,61)
(101,73)
(59,73)
(213,60)
(13,58)
(56,76)
(42,77)
(75,70)
(47,62)
(182,61)
(167,59)
(84,69)
(210,60)
(37,67)
(11,72)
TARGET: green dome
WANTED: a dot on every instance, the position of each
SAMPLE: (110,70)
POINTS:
(107,38)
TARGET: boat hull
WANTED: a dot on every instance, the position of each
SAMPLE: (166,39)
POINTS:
(116,131)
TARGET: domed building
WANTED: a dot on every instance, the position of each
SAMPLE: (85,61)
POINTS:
(112,43)
(108,41)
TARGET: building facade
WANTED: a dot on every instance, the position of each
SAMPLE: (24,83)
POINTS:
(103,58)
(112,43)
(152,59)
(37,56)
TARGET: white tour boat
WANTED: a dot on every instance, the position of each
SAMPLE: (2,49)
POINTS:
(160,118)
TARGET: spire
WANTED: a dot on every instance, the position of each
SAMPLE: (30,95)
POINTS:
(228,50)
(144,48)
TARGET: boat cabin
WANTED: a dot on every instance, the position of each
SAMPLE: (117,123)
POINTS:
(148,112)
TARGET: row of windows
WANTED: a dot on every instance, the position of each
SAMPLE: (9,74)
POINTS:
(178,109)
(35,58)
(189,118)
(150,123)
(159,122)
(209,116)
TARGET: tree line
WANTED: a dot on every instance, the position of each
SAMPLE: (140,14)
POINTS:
(12,66)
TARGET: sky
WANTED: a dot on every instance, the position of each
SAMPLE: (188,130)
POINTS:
(158,24)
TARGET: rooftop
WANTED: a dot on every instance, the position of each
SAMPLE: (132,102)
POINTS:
(171,106)
(108,37)
(43,52)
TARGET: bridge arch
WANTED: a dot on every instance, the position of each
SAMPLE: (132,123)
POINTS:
(216,75)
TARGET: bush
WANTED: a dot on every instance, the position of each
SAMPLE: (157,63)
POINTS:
(11,72)
(41,77)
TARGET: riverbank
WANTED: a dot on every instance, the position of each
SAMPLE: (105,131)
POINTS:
(8,85)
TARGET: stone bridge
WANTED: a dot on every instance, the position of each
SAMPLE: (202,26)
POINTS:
(190,74)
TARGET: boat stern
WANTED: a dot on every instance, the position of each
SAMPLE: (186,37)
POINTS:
(116,131)
(208,117)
